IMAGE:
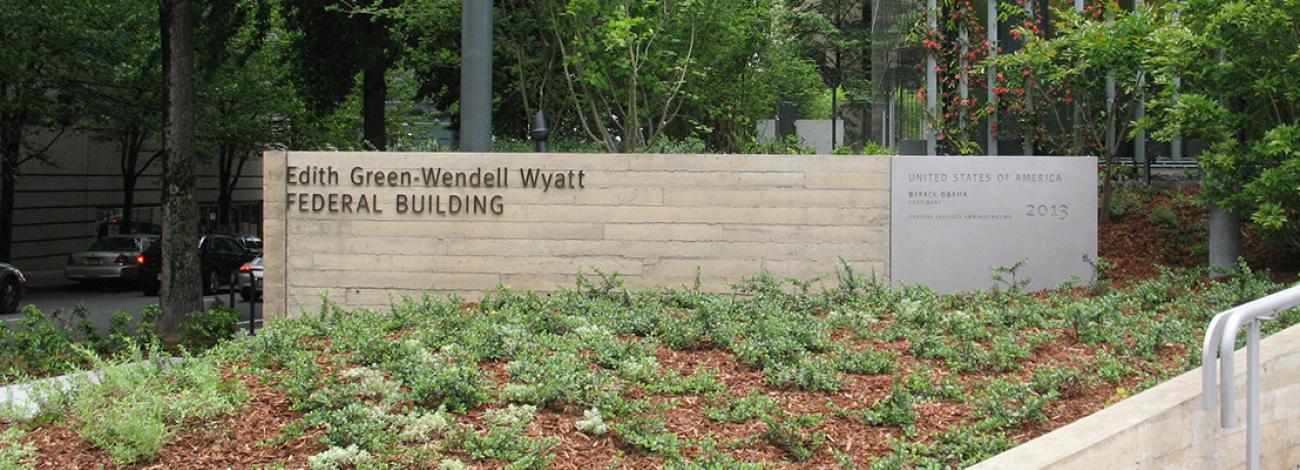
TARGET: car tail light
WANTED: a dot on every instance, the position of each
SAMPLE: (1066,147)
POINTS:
(122,259)
(245,268)
(139,259)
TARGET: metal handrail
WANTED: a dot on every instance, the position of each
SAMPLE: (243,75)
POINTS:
(1221,339)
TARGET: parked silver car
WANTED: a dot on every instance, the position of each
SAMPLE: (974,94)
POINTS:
(12,284)
(249,279)
(113,258)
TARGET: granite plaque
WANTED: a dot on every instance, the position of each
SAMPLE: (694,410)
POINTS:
(956,219)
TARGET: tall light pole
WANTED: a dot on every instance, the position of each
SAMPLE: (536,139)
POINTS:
(476,76)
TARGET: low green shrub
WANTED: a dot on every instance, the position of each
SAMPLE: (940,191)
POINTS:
(648,434)
(740,409)
(45,344)
(554,380)
(355,425)
(340,458)
(1007,403)
(504,438)
(809,373)
(206,328)
(790,434)
(591,423)
(136,405)
(897,409)
(873,361)
(436,383)
(13,452)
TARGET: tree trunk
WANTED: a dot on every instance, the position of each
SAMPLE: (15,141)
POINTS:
(834,115)
(1225,241)
(223,208)
(130,158)
(8,177)
(128,204)
(11,133)
(181,293)
(223,184)
(374,97)
(1103,213)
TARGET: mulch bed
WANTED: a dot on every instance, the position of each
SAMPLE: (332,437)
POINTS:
(1137,246)
(241,440)
(248,438)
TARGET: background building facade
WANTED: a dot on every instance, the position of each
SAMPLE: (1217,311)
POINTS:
(63,205)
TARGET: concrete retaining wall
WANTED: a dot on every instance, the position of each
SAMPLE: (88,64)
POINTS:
(1165,427)
(654,219)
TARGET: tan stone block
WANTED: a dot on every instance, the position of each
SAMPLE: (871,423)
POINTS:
(385,297)
(707,284)
(834,216)
(478,264)
(336,294)
(668,179)
(743,250)
(716,162)
(307,301)
(299,260)
(846,180)
(707,215)
(529,247)
(273,165)
(334,228)
(706,268)
(824,267)
(345,161)
(321,246)
(549,282)
(641,196)
(393,280)
(736,232)
(791,250)
(783,197)
(481,230)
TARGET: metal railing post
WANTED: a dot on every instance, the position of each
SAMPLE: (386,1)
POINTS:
(1252,396)
(1221,339)
(252,304)
(1209,368)
(234,278)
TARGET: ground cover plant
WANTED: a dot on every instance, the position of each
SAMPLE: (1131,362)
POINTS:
(776,373)
(42,344)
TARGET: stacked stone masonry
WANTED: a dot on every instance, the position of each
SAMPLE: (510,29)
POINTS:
(656,220)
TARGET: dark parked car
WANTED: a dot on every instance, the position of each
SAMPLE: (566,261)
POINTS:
(251,242)
(12,283)
(220,256)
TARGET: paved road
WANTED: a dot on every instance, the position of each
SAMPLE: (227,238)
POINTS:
(101,301)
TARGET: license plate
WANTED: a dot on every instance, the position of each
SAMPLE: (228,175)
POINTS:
(92,261)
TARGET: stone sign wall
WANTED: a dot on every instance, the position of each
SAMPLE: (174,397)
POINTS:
(957,218)
(365,228)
